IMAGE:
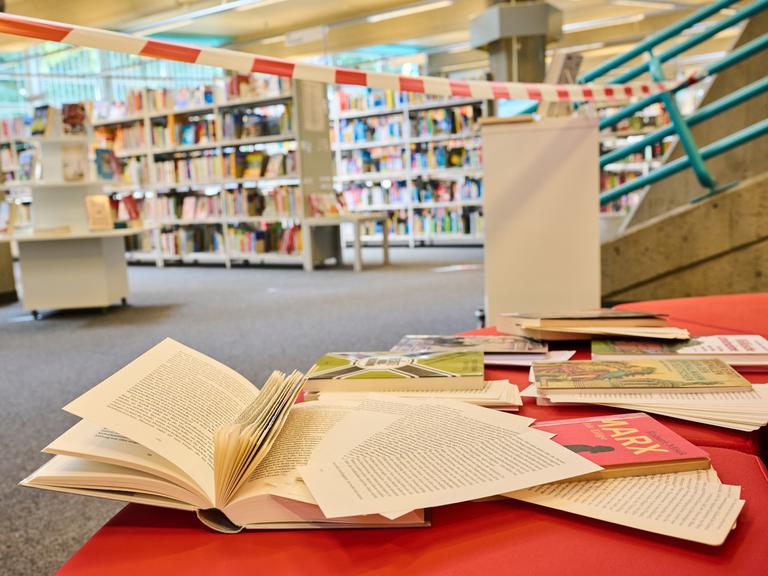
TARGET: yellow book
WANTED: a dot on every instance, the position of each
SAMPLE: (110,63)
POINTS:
(640,375)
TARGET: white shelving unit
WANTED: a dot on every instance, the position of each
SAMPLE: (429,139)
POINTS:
(63,264)
(306,103)
(408,203)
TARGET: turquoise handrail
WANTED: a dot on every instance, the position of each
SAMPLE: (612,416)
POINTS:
(679,124)
(670,168)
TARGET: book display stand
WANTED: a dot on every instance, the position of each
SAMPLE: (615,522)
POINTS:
(63,263)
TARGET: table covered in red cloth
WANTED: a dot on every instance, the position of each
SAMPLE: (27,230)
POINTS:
(702,316)
(473,538)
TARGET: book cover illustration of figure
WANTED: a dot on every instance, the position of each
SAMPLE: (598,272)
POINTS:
(681,373)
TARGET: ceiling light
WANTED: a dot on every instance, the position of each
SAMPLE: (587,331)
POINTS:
(645,4)
(408,11)
(251,6)
(184,19)
(602,23)
(273,39)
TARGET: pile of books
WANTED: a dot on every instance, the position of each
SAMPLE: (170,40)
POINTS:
(178,429)
(585,324)
(705,391)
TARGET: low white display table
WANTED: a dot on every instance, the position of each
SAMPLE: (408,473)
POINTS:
(357,220)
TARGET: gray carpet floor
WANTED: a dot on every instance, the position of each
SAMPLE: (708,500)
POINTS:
(252,319)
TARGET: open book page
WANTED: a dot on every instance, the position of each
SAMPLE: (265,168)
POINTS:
(732,423)
(687,505)
(76,473)
(240,446)
(418,454)
(170,400)
(94,442)
(525,360)
(277,474)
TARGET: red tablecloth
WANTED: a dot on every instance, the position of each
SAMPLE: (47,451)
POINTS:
(706,315)
(483,538)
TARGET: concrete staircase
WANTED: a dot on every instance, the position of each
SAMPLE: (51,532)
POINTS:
(671,248)
(718,246)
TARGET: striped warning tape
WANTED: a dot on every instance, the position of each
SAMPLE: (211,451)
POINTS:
(245,63)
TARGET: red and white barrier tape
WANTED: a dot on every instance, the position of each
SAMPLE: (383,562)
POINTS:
(245,63)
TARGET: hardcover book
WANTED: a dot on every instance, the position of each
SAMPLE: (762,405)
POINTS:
(736,350)
(640,375)
(106,164)
(633,444)
(74,118)
(485,344)
(74,162)
(176,429)
(98,212)
(387,371)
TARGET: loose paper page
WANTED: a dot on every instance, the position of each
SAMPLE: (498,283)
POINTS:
(171,400)
(678,505)
(432,452)
(277,474)
(525,360)
(94,442)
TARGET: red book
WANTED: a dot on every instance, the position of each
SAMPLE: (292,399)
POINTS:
(626,445)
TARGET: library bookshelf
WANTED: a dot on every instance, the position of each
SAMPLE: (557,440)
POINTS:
(222,179)
(63,263)
(417,159)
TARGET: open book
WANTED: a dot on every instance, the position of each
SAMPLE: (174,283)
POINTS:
(175,428)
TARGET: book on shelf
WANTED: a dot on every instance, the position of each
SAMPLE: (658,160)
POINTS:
(489,345)
(387,371)
(46,121)
(638,375)
(583,325)
(253,164)
(74,162)
(177,429)
(743,351)
(98,212)
(74,118)
(633,444)
(30,167)
(275,166)
(106,164)
(128,209)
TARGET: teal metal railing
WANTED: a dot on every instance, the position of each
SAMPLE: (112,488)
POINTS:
(679,124)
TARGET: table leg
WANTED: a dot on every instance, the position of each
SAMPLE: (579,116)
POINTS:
(385,241)
(358,265)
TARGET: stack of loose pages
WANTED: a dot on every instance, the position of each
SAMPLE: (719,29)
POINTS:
(704,391)
(497,394)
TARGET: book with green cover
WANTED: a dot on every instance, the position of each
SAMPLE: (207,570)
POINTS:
(736,349)
(387,371)
(638,375)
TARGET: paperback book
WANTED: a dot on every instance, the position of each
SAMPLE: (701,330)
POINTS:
(639,375)
(740,350)
(387,371)
(485,344)
(583,325)
(633,444)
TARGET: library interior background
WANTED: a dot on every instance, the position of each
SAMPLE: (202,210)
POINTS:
(308,176)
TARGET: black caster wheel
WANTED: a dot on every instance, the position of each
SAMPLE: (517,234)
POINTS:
(124,301)
(36,315)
